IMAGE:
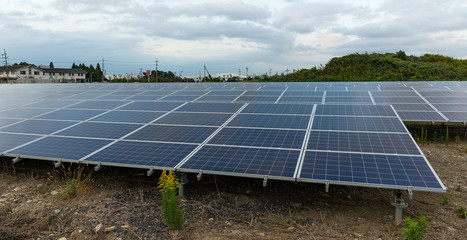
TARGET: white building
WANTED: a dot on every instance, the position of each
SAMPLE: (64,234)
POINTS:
(32,74)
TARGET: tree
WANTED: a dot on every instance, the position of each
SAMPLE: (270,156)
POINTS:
(51,65)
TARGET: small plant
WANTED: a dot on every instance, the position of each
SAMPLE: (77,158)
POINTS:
(43,190)
(77,180)
(168,185)
(446,140)
(445,199)
(461,212)
(457,139)
(415,229)
(459,188)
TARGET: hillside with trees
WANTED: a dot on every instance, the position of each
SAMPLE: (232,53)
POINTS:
(379,67)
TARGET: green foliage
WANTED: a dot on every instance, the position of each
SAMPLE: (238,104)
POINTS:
(459,188)
(435,136)
(168,185)
(77,180)
(446,140)
(51,65)
(461,212)
(457,139)
(445,199)
(415,229)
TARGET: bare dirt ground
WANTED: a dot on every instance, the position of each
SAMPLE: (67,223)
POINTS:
(127,203)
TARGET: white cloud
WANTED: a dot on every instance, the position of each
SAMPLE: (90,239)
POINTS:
(227,34)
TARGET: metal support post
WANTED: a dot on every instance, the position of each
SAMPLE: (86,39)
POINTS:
(399,204)
(182,180)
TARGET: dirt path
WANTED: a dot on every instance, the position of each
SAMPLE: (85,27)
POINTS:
(126,202)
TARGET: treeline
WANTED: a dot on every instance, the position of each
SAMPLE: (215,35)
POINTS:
(377,67)
(93,74)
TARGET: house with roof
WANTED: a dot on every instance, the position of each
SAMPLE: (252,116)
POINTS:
(33,74)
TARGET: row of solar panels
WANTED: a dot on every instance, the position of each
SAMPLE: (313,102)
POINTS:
(363,145)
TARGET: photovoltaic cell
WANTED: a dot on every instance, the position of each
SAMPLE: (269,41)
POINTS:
(358,124)
(354,110)
(98,104)
(99,130)
(451,107)
(369,169)
(179,98)
(163,155)
(259,162)
(188,118)
(420,116)
(151,106)
(210,107)
(362,142)
(354,100)
(254,98)
(259,137)
(52,103)
(165,133)
(6,121)
(303,100)
(128,116)
(60,148)
(270,121)
(9,141)
(23,112)
(456,116)
(222,98)
(412,107)
(279,108)
(71,114)
(37,126)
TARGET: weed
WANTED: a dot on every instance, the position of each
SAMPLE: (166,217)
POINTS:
(459,188)
(446,140)
(415,229)
(77,180)
(457,139)
(168,185)
(461,212)
(445,199)
(43,190)
(424,201)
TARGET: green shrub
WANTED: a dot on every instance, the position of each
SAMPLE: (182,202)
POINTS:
(461,212)
(445,199)
(415,229)
(168,185)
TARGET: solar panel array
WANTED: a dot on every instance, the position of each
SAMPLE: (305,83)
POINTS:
(338,133)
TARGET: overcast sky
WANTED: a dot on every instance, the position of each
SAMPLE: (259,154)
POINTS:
(226,35)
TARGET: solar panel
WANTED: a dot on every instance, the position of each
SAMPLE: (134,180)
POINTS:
(456,116)
(353,100)
(128,116)
(137,154)
(99,130)
(270,121)
(362,142)
(278,108)
(244,161)
(222,98)
(451,107)
(71,114)
(23,112)
(60,148)
(303,100)
(259,137)
(37,126)
(179,98)
(6,121)
(165,133)
(368,169)
(188,118)
(210,107)
(354,110)
(151,106)
(364,124)
(9,141)
(52,103)
(98,104)
(420,116)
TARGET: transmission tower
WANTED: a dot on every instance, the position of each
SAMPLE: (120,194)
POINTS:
(5,61)
(157,67)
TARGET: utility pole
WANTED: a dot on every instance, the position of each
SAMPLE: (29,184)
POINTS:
(239,72)
(5,61)
(270,72)
(246,72)
(157,69)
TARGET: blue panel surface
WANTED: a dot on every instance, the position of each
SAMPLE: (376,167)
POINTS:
(23,112)
(187,118)
(6,121)
(165,133)
(213,98)
(264,93)
(99,130)
(304,100)
(348,99)
(60,147)
(163,155)
(255,98)
(270,121)
(71,114)
(362,142)
(456,116)
(151,106)
(420,116)
(179,98)
(38,126)
(260,162)
(393,100)
(128,116)
(210,107)
(412,107)
(303,94)
(369,169)
(451,107)
(458,100)
(259,137)
(279,108)
(9,141)
(358,124)
(52,103)
(98,105)
(355,110)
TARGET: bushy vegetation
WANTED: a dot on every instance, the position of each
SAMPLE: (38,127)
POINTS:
(380,67)
(168,184)
(415,229)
